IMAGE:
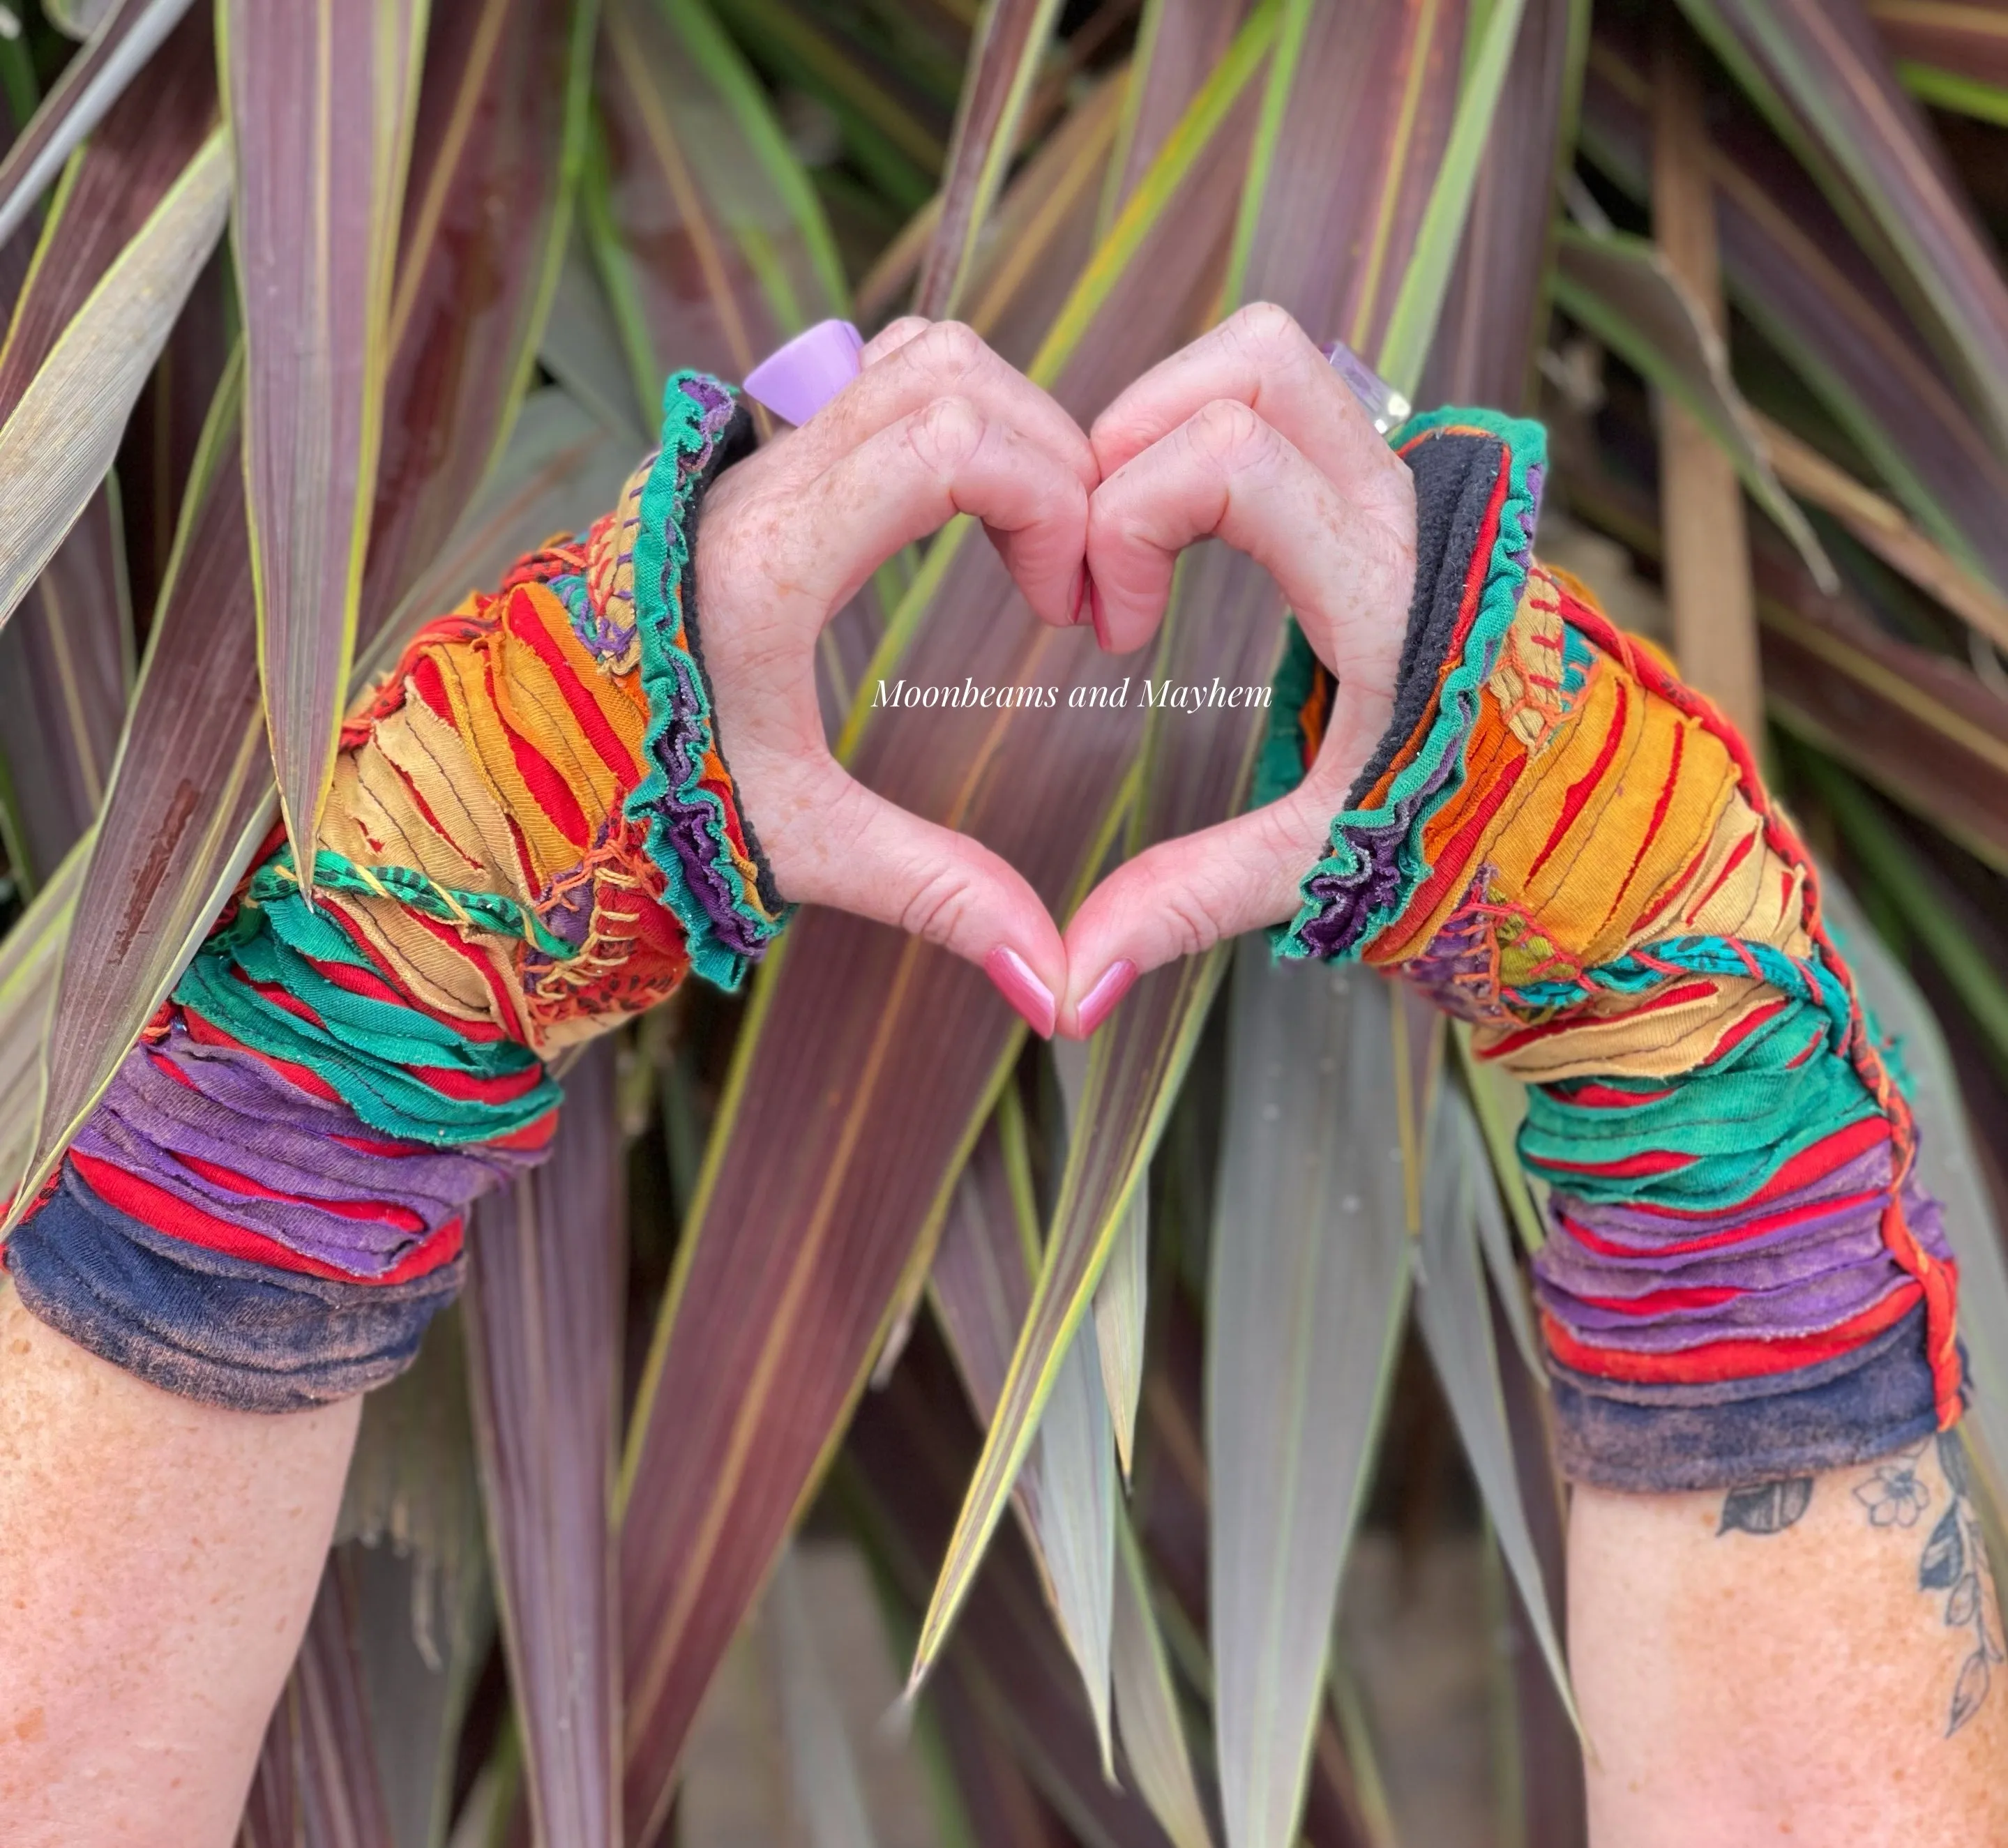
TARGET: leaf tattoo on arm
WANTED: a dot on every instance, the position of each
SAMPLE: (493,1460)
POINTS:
(1953,1562)
(1765,1507)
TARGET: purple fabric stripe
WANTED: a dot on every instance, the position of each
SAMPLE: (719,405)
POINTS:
(1646,1234)
(238,1114)
(1802,1282)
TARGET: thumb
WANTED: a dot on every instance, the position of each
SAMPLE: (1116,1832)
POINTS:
(873,858)
(1185,895)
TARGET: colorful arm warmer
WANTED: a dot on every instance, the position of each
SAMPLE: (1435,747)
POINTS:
(1562,845)
(531,836)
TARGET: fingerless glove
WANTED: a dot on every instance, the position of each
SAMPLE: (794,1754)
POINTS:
(531,836)
(1567,848)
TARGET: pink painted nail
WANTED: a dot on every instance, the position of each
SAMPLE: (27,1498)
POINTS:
(1099,1002)
(1024,991)
(1100,619)
(1078,607)
(797,380)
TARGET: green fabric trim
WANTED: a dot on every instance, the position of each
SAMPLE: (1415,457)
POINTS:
(1279,764)
(494,912)
(728,925)
(363,1042)
(1410,802)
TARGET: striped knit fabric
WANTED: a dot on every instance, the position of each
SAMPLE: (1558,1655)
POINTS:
(1564,846)
(531,836)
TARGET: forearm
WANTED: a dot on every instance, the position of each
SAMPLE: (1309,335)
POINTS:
(1743,1281)
(160,1558)
(531,836)
(1808,1660)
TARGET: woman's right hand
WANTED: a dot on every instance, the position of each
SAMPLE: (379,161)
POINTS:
(934,425)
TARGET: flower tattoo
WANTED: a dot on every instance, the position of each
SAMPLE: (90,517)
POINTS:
(1894,1495)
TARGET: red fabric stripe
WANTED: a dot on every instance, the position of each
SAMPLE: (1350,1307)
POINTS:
(1584,786)
(174,1217)
(524,622)
(1653,1301)
(425,676)
(1738,1234)
(381,1212)
(1533,1036)
(549,789)
(1732,1359)
(1449,869)
(206,1033)
(1604,1097)
(1646,1162)
(1740,853)
(1652,827)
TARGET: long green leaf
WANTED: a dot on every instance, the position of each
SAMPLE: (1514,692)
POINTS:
(1178,43)
(789,1271)
(63,433)
(29,957)
(1147,1706)
(1950,55)
(1457,1327)
(1412,324)
(1816,68)
(1011,39)
(65,662)
(1310,1273)
(1947,1162)
(1122,1298)
(822,1768)
(545,1278)
(899,1475)
(320,114)
(1623,290)
(982,1284)
(91,82)
(185,809)
(1792,264)
(499,138)
(711,244)
(316,1785)
(1328,265)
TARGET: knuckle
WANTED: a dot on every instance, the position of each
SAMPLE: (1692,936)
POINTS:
(952,349)
(945,434)
(1265,326)
(1230,432)
(935,909)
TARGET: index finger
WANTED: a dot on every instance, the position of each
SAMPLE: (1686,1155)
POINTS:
(945,359)
(1260,357)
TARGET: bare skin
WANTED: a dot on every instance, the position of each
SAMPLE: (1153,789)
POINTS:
(1817,1660)
(158,1558)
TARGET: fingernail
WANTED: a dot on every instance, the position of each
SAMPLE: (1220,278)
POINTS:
(1100,617)
(1024,991)
(1078,607)
(1099,1002)
(798,379)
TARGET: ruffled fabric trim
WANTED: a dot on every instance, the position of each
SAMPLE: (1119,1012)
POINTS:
(1375,864)
(718,885)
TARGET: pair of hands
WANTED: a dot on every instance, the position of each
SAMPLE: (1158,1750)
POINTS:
(1247,435)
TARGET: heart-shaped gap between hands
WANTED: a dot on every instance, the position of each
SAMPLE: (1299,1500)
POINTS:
(1247,435)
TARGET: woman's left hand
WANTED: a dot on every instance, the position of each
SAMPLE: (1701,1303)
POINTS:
(1251,436)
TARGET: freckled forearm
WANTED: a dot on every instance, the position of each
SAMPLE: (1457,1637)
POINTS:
(1817,1660)
(159,1558)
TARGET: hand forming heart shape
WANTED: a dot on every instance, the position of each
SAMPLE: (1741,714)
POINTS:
(1247,435)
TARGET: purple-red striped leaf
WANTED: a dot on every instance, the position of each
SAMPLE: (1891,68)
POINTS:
(319,104)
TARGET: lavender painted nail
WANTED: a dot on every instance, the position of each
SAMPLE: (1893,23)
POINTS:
(797,381)
(1384,404)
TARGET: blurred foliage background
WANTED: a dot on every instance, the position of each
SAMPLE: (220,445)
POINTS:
(846,1329)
